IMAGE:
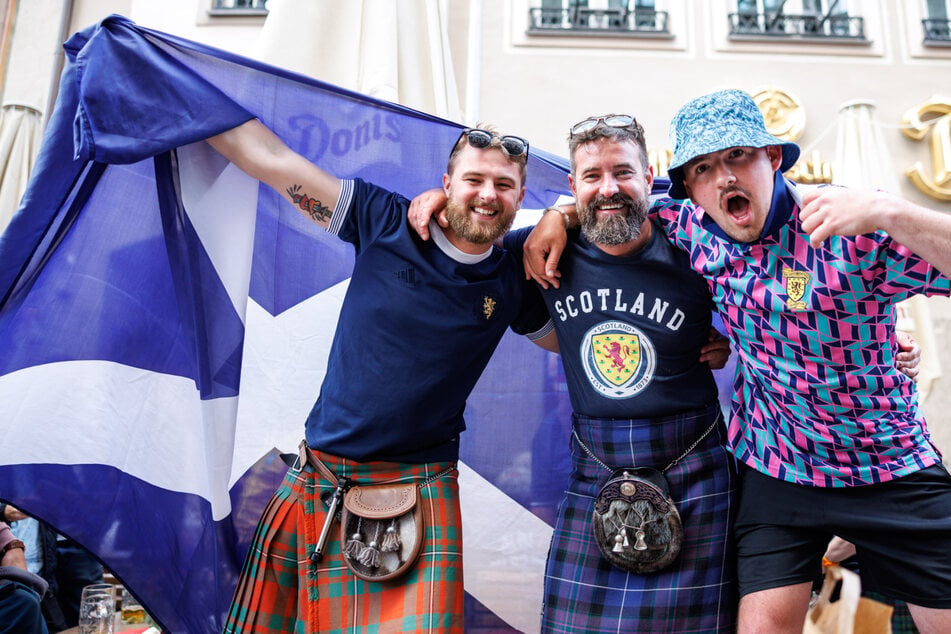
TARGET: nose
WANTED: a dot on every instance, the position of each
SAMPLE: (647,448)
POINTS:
(725,176)
(488,192)
(609,186)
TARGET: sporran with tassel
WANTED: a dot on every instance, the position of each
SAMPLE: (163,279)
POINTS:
(381,530)
(635,521)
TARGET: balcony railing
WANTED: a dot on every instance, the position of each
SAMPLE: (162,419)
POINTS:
(937,31)
(239,7)
(785,25)
(608,21)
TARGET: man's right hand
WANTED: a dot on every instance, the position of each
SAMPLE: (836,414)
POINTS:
(543,249)
(422,208)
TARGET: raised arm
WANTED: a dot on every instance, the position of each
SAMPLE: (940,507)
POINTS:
(831,211)
(262,155)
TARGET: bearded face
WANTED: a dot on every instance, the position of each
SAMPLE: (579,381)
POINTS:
(478,222)
(613,220)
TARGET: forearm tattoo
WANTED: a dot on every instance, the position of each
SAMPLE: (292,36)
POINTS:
(311,206)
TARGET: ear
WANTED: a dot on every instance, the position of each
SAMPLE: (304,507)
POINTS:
(445,184)
(650,178)
(775,153)
(521,197)
(571,184)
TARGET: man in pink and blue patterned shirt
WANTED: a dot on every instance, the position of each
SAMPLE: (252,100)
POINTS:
(827,431)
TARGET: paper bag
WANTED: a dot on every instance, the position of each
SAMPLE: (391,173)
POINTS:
(851,613)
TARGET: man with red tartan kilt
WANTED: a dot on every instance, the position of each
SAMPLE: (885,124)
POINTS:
(395,414)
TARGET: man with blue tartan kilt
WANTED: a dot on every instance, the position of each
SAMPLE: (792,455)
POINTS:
(389,410)
(828,436)
(634,329)
(650,401)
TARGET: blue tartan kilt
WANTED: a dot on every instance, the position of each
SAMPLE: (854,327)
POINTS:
(697,593)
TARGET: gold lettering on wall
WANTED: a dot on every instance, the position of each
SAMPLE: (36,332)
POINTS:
(782,111)
(810,171)
(786,119)
(932,116)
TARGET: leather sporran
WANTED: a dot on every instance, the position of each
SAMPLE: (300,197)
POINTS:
(381,530)
(636,523)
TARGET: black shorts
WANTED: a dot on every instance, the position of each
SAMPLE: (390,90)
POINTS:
(901,530)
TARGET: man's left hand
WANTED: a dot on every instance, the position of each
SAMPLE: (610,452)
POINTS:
(716,351)
(909,355)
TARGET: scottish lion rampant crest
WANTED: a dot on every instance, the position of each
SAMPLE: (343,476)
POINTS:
(619,360)
(797,282)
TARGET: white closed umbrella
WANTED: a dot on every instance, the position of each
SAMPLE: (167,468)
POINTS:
(396,50)
(863,161)
(21,130)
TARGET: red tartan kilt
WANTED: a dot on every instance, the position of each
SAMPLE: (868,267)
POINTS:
(281,591)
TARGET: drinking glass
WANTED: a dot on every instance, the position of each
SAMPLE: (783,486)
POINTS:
(97,610)
(132,610)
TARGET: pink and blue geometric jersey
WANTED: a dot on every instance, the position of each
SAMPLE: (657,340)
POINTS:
(817,398)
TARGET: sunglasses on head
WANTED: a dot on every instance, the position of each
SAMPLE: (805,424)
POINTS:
(610,120)
(513,146)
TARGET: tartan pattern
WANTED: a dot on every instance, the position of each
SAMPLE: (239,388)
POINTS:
(584,593)
(818,399)
(281,591)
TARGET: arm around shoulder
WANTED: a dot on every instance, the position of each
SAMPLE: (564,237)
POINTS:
(545,244)
(258,152)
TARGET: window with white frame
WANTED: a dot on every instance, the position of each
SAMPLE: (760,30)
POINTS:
(937,21)
(796,18)
(613,17)
(238,7)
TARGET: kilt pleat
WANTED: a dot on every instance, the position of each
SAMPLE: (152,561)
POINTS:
(280,590)
(697,593)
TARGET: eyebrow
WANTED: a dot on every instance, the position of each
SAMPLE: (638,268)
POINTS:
(480,174)
(626,164)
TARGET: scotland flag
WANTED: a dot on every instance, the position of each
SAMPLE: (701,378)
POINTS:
(165,322)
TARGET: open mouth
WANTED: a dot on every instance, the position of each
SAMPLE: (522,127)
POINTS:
(738,207)
(610,207)
(487,211)
(613,205)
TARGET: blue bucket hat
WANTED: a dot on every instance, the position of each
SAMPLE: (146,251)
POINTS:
(714,122)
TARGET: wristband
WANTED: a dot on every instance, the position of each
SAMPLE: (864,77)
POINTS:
(10,545)
(564,214)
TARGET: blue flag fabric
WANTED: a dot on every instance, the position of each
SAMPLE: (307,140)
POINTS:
(165,322)
(160,310)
